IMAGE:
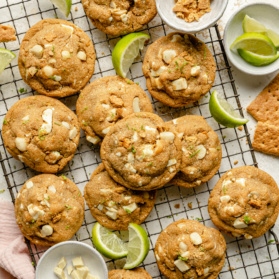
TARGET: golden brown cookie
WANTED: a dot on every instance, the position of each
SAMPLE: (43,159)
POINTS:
(179,69)
(140,152)
(244,202)
(113,205)
(41,132)
(201,151)
(7,33)
(119,17)
(49,209)
(136,273)
(188,249)
(56,58)
(105,101)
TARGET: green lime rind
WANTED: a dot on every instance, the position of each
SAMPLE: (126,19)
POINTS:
(6,57)
(254,42)
(108,243)
(257,60)
(224,113)
(126,50)
(63,5)
(138,246)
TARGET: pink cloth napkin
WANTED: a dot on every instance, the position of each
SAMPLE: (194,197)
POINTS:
(15,261)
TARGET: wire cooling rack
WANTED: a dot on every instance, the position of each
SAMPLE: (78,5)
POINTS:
(256,258)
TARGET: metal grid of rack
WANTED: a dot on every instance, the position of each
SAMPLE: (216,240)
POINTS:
(256,258)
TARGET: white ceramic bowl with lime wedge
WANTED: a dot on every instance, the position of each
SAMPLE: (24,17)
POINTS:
(266,14)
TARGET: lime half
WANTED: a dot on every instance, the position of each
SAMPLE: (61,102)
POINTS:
(257,59)
(138,246)
(224,113)
(63,5)
(6,56)
(254,42)
(108,243)
(250,24)
(126,50)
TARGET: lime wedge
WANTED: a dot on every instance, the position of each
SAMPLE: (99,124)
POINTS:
(6,56)
(63,5)
(126,50)
(223,112)
(138,246)
(250,24)
(108,243)
(257,59)
(254,42)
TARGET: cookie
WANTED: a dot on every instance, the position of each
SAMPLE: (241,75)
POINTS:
(56,58)
(113,205)
(136,273)
(7,33)
(105,101)
(119,17)
(49,209)
(179,69)
(188,249)
(41,132)
(140,152)
(201,151)
(244,202)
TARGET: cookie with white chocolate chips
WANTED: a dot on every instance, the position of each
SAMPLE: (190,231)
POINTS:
(179,69)
(187,249)
(244,202)
(140,152)
(105,101)
(56,58)
(49,209)
(201,151)
(119,17)
(113,205)
(41,132)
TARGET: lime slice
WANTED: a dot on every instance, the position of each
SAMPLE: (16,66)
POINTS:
(108,243)
(6,56)
(250,24)
(254,42)
(257,59)
(126,50)
(138,246)
(224,113)
(63,5)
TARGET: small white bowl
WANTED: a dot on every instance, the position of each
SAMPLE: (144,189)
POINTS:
(71,249)
(268,15)
(165,10)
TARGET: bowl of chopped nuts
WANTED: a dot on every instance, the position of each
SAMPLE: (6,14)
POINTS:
(191,16)
(71,259)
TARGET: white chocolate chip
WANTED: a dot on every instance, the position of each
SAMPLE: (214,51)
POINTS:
(118,154)
(21,144)
(225,198)
(195,71)
(66,124)
(65,54)
(81,55)
(158,83)
(131,157)
(180,84)
(29,184)
(52,189)
(148,150)
(130,168)
(48,70)
(158,72)
(93,140)
(135,137)
(185,254)
(47,117)
(68,28)
(130,208)
(167,136)
(32,71)
(168,55)
(171,162)
(238,224)
(183,247)
(124,17)
(105,106)
(25,118)
(112,5)
(136,104)
(73,133)
(181,265)
(52,61)
(37,50)
(201,151)
(195,238)
(241,181)
(57,78)
(150,129)
(100,207)
(111,115)
(47,230)
(112,215)
(106,130)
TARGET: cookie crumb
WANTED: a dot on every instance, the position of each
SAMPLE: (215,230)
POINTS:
(177,205)
(190,205)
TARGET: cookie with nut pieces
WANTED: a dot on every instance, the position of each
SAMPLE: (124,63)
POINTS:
(56,58)
(105,101)
(49,209)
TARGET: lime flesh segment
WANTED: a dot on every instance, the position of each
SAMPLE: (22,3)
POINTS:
(250,24)
(108,243)
(256,59)
(6,57)
(126,50)
(254,42)
(223,112)
(63,5)
(138,246)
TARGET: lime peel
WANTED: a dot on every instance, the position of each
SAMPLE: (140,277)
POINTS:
(224,113)
(6,57)
(126,50)
(63,5)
